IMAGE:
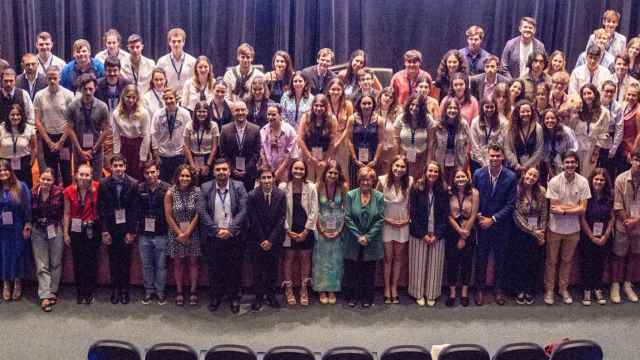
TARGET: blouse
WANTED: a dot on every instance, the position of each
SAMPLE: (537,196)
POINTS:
(49,211)
(482,136)
(292,111)
(525,150)
(275,150)
(191,95)
(132,127)
(451,153)
(85,209)
(152,102)
(201,140)
(14,144)
(532,214)
(412,139)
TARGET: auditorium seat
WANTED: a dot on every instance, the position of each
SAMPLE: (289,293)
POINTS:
(289,353)
(230,352)
(520,351)
(406,352)
(337,67)
(171,351)
(347,353)
(383,74)
(464,352)
(113,350)
(578,350)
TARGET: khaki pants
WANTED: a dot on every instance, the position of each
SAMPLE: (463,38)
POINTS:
(563,247)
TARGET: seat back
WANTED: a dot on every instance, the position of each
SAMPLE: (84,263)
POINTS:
(171,351)
(113,350)
(383,74)
(406,352)
(347,353)
(578,350)
(520,351)
(289,353)
(464,352)
(338,67)
(230,352)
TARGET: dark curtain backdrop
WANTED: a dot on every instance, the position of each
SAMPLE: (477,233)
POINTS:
(384,28)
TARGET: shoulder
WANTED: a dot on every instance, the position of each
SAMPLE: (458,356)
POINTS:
(283,186)
(237,185)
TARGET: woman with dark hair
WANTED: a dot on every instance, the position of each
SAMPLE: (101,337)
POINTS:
(14,230)
(451,140)
(220,109)
(524,143)
(201,136)
(152,99)
(342,109)
(367,136)
(18,144)
(516,91)
(424,88)
(349,76)
(460,91)
(429,212)
(387,110)
(460,236)
(257,101)
(297,100)
(557,63)
(541,103)
(200,86)
(131,125)
(278,143)
(317,135)
(452,62)
(180,209)
(597,228)
(395,186)
(279,78)
(414,134)
(558,139)
(300,226)
(328,257)
(633,50)
(503,101)
(530,216)
(486,129)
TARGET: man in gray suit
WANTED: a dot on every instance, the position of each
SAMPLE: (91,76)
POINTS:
(517,50)
(482,85)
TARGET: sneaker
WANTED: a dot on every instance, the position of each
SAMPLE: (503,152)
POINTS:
(566,297)
(529,299)
(146,299)
(520,300)
(431,303)
(549,298)
(586,298)
(162,299)
(600,297)
(629,292)
(615,293)
(420,302)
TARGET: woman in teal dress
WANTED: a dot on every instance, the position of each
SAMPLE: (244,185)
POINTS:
(327,252)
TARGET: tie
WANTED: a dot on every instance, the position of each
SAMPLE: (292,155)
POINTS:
(267,198)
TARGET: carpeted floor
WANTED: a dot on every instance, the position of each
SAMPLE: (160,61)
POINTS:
(67,332)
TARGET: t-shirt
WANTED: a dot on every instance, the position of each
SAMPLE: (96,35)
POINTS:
(52,107)
(567,193)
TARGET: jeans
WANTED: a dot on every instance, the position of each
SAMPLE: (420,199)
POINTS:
(154,263)
(47,254)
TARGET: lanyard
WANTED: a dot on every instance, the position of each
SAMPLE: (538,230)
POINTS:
(171,124)
(45,66)
(173,63)
(14,139)
(199,137)
(216,112)
(133,73)
(413,135)
(430,198)
(240,140)
(461,202)
(222,195)
(487,134)
(157,98)
(87,116)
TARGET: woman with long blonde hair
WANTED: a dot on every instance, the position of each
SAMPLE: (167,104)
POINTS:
(131,131)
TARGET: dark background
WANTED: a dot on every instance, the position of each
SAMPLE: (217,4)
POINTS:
(383,28)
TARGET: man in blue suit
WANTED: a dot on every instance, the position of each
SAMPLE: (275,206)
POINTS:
(497,186)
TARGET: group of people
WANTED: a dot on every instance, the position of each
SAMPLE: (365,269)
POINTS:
(325,174)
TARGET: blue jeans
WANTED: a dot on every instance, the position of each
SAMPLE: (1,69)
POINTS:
(154,263)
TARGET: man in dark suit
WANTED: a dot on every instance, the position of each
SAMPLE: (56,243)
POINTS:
(517,50)
(266,206)
(240,145)
(30,80)
(482,85)
(318,76)
(117,200)
(497,186)
(222,210)
(111,85)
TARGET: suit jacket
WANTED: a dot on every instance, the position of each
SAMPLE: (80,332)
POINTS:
(418,204)
(206,209)
(476,84)
(266,220)
(229,149)
(367,221)
(108,203)
(511,55)
(317,84)
(23,83)
(498,201)
(102,89)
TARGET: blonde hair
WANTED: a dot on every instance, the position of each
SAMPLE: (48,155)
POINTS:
(137,108)
(80,43)
(475,30)
(176,32)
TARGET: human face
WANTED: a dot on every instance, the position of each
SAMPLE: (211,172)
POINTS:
(412,66)
(491,69)
(5,173)
(88,90)
(335,91)
(558,87)
(365,82)
(557,63)
(527,30)
(83,177)
(298,83)
(273,116)
(452,110)
(537,65)
(46,180)
(495,158)
(550,120)
(44,46)
(279,63)
(266,181)
(592,62)
(423,88)
(170,101)
(607,94)
(113,45)
(515,89)
(570,164)
(8,82)
(30,65)
(130,99)
(221,172)
(489,109)
(541,96)
(332,175)
(460,179)
(258,91)
(151,175)
(598,182)
(367,105)
(135,49)
(357,63)
(588,96)
(459,87)
(398,169)
(202,113)
(473,43)
(635,164)
(413,107)
(525,113)
(113,72)
(82,55)
(298,170)
(386,99)
(159,81)
(633,50)
(244,60)
(610,25)
(15,117)
(184,179)
(452,64)
(240,111)
(319,108)
(632,96)
(433,173)
(365,183)
(501,100)
(621,68)
(602,40)
(118,168)
(176,44)
(219,91)
(531,177)
(324,62)
(203,69)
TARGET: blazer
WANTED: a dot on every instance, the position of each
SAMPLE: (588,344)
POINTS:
(102,89)
(309,204)
(266,221)
(418,204)
(206,209)
(108,203)
(476,84)
(367,221)
(229,148)
(511,55)
(317,84)
(499,201)
(23,83)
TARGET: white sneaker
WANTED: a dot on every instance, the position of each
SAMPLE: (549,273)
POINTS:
(549,298)
(566,297)
(431,302)
(629,292)
(615,293)
(420,301)
(600,297)
(586,299)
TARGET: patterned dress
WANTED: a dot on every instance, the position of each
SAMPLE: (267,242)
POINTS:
(327,253)
(183,210)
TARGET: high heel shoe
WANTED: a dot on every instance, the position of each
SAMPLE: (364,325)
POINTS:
(304,292)
(17,290)
(288,292)
(6,291)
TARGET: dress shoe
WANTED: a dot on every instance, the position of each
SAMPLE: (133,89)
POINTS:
(366,304)
(478,298)
(352,302)
(88,300)
(451,302)
(500,300)
(255,306)
(125,298)
(235,306)
(273,301)
(115,296)
(464,301)
(80,300)
(214,304)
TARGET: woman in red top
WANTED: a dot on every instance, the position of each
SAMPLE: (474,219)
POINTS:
(81,231)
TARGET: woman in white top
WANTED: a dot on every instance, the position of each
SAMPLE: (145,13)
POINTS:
(388,110)
(152,99)
(395,234)
(487,128)
(18,144)
(200,86)
(131,131)
(201,137)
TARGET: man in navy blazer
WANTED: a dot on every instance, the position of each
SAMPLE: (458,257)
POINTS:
(512,59)
(497,186)
(484,84)
(222,210)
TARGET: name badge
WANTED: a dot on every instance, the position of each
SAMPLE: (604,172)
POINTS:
(7,218)
(412,154)
(287,242)
(184,225)
(316,152)
(16,164)
(532,221)
(240,163)
(363,154)
(199,160)
(76,225)
(430,228)
(597,229)
(87,140)
(449,159)
(51,231)
(121,216)
(332,223)
(65,154)
(149,224)
(635,210)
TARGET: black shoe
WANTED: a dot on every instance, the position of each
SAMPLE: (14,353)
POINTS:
(273,301)
(88,300)
(80,300)
(146,299)
(352,302)
(464,301)
(366,304)
(115,296)
(162,299)
(214,304)
(235,306)
(255,306)
(124,298)
(451,302)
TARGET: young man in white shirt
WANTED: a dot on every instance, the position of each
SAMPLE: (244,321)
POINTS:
(137,68)
(167,135)
(178,65)
(617,42)
(239,77)
(112,40)
(44,45)
(591,72)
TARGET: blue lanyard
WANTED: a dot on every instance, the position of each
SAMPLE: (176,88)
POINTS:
(178,72)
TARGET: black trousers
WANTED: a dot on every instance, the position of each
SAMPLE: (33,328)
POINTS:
(592,258)
(525,258)
(61,168)
(265,271)
(224,260)
(119,261)
(459,262)
(169,165)
(360,275)
(493,239)
(85,261)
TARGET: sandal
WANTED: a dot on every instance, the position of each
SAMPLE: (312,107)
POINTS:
(46,305)
(395,299)
(179,299)
(194,300)
(387,300)
(53,299)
